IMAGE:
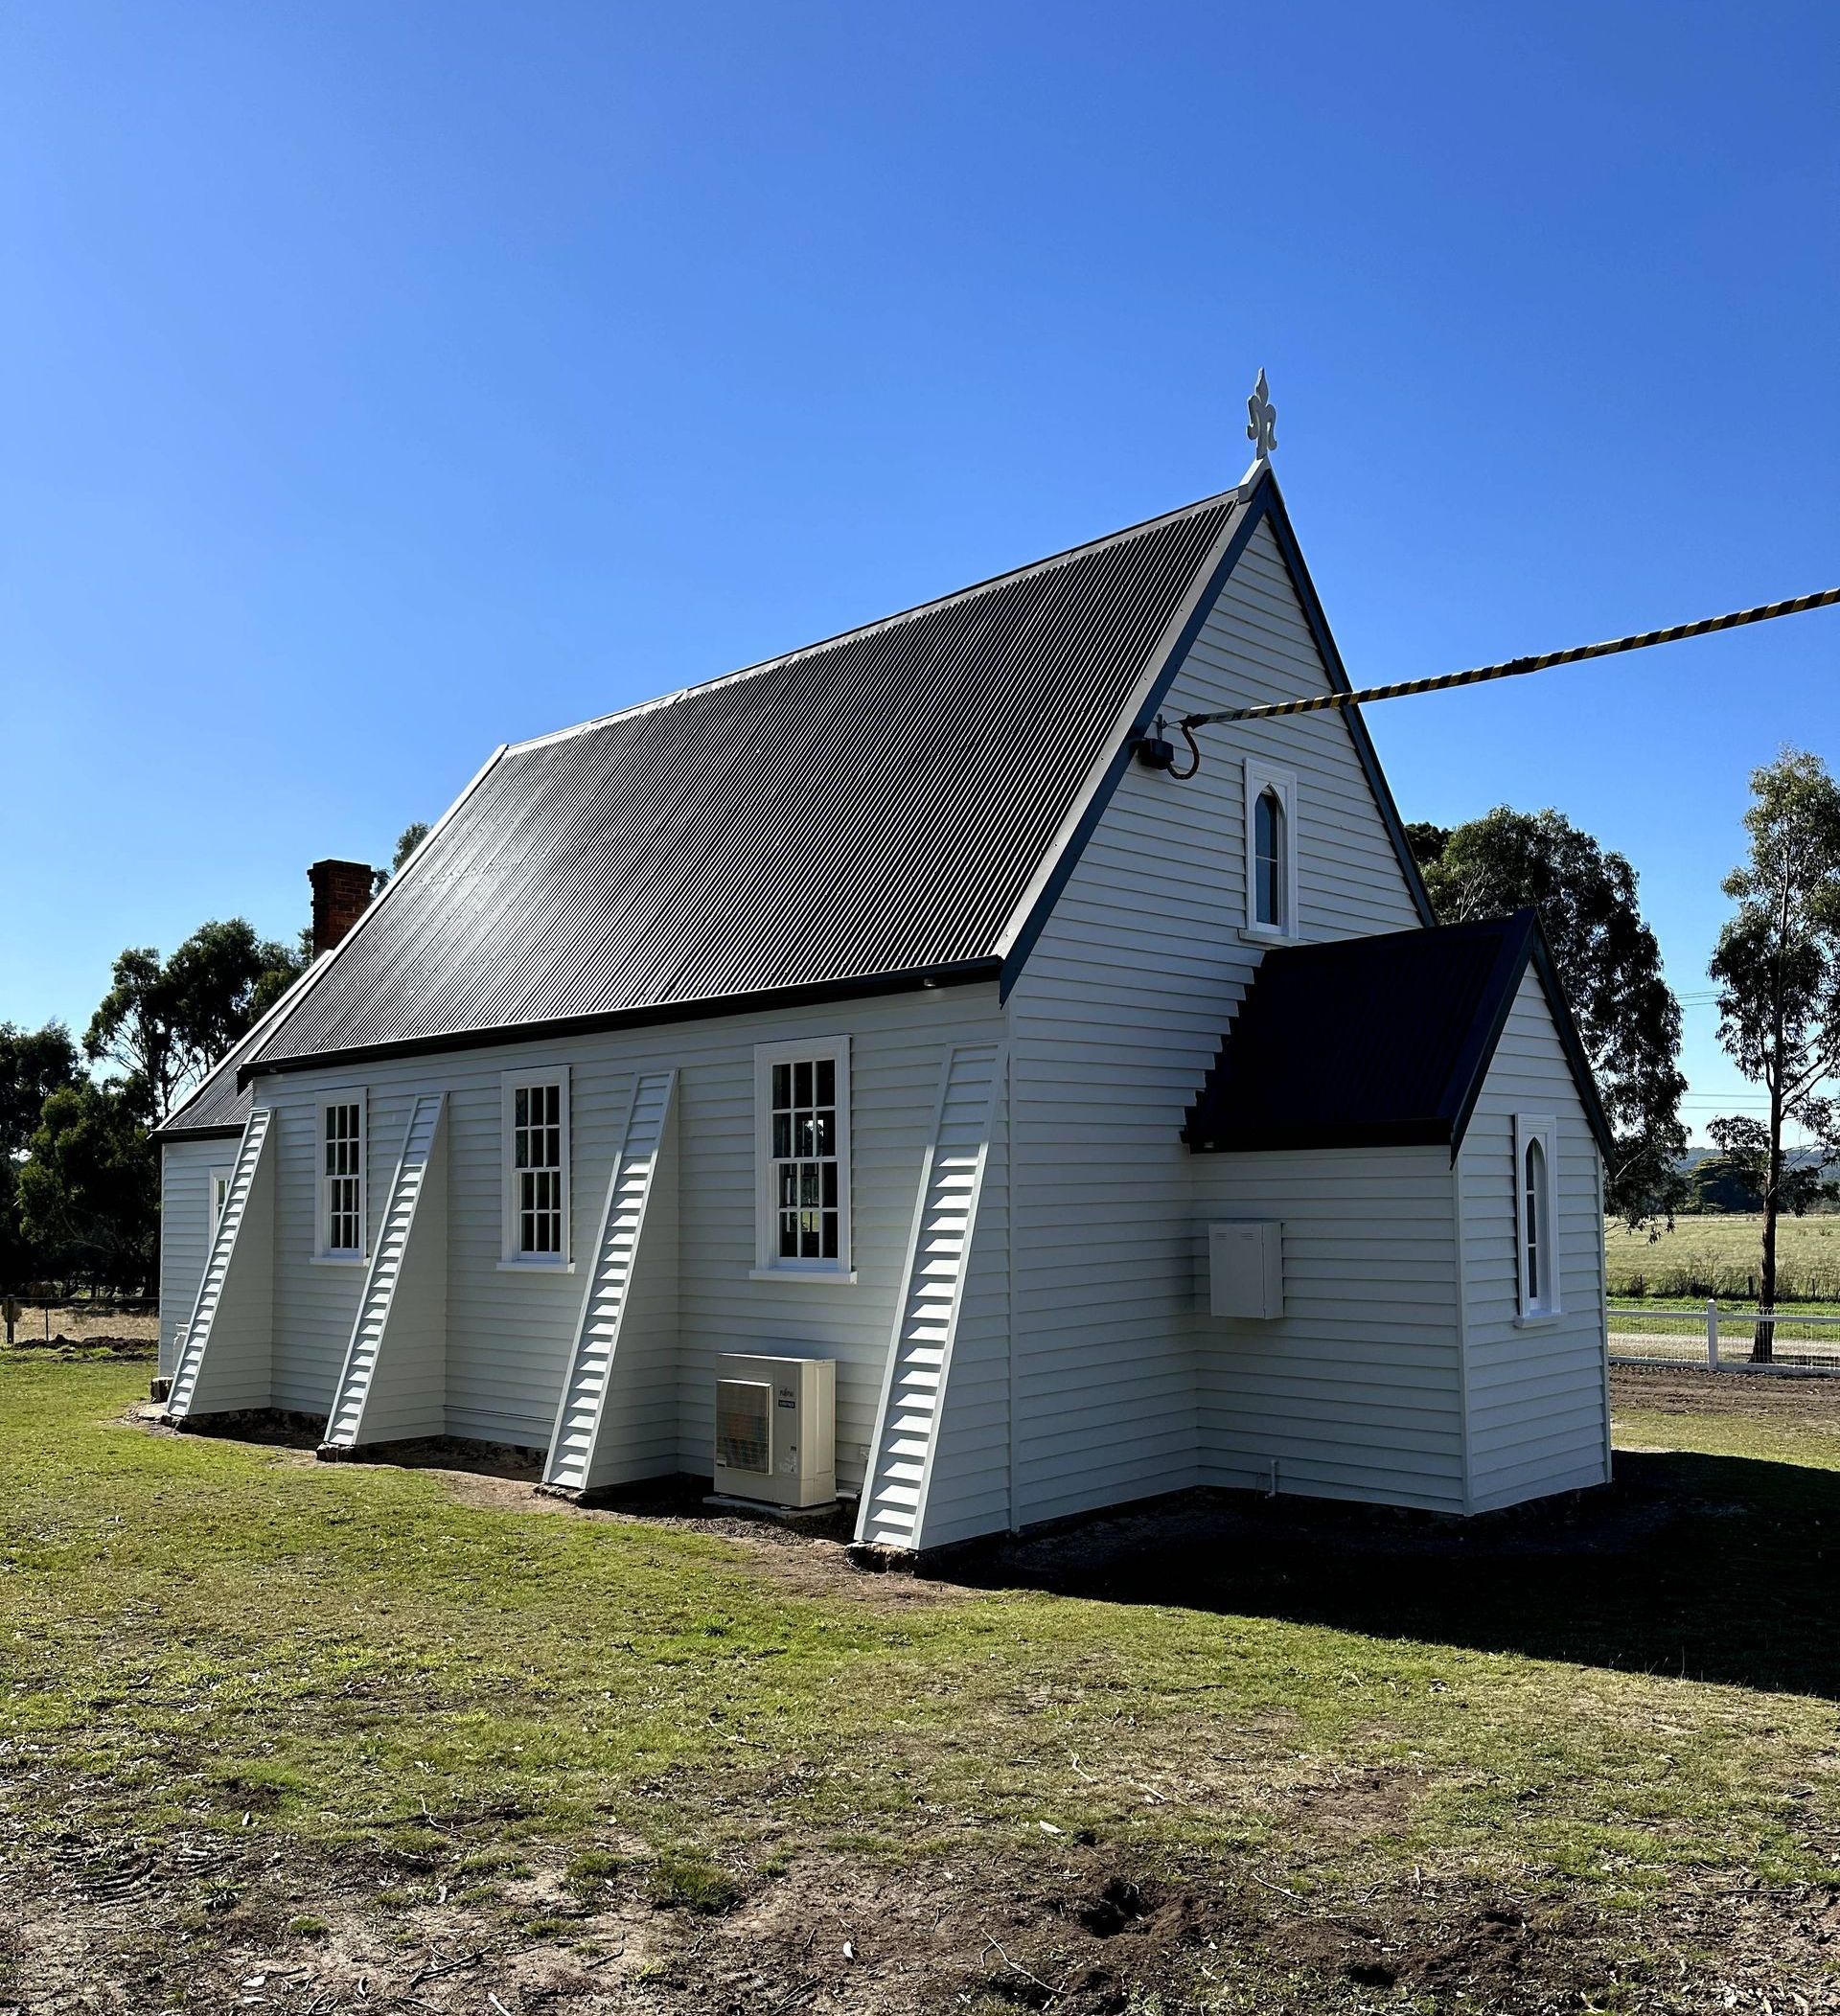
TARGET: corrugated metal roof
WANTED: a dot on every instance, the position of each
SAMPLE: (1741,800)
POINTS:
(871,807)
(219,1105)
(1373,1042)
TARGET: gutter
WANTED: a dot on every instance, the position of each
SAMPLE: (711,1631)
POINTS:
(963,973)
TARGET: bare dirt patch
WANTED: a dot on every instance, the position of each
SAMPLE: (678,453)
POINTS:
(1801,1404)
(1096,1934)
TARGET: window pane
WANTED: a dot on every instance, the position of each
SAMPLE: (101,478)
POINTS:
(804,1142)
(520,1106)
(1268,862)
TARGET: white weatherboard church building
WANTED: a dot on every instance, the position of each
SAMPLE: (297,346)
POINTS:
(1104,1131)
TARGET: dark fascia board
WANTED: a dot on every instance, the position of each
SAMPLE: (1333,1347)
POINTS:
(1530,947)
(965,972)
(1471,1071)
(197,1134)
(1245,522)
(1372,1133)
(1572,1044)
(1339,678)
(1265,502)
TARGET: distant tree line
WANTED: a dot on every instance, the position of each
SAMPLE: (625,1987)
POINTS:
(1777,967)
(78,1171)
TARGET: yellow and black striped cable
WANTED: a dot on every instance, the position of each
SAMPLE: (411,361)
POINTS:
(1514,668)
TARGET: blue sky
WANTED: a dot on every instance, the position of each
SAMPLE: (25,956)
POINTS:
(379,384)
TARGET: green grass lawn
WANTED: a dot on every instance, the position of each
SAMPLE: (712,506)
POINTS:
(1597,1709)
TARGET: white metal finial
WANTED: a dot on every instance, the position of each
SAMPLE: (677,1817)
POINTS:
(1261,424)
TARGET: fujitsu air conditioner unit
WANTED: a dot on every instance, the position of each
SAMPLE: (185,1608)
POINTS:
(777,1430)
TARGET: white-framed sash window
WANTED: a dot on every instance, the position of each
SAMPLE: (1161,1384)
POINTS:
(339,1203)
(802,1156)
(536,1168)
(219,1179)
(1271,850)
(1536,1215)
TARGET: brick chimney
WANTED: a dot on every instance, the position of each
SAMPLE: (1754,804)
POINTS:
(341,894)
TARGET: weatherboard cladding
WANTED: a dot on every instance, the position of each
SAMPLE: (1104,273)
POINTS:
(871,807)
(1375,1040)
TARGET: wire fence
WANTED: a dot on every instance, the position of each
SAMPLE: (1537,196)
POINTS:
(40,1319)
(1723,1339)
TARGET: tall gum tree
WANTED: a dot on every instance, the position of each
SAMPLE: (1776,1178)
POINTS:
(1778,968)
(1609,964)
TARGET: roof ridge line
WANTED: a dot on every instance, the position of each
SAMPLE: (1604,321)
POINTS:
(1062,558)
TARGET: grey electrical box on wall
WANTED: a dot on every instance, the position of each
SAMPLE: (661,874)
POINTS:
(1246,1268)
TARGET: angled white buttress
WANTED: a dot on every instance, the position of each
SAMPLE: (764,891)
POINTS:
(393,1384)
(892,1513)
(616,1422)
(226,1357)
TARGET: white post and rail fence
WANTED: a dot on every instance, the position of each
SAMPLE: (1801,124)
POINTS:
(1725,1337)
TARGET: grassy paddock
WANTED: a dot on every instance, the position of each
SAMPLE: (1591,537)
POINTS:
(1719,1254)
(1606,1707)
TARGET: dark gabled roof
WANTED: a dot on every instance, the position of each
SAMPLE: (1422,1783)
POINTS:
(218,1105)
(884,809)
(1377,1042)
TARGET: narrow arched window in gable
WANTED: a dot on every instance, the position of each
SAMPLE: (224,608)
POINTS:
(1271,851)
(1536,1210)
(1268,860)
(1534,1174)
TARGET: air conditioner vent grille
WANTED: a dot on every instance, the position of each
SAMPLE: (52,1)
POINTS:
(744,1425)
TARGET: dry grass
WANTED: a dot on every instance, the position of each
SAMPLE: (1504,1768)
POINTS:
(1719,1254)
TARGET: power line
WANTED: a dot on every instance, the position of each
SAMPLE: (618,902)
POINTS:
(1514,668)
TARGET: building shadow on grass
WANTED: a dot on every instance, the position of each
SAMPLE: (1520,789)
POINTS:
(1701,1567)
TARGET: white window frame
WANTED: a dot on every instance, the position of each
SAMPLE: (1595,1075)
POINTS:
(768,1265)
(1260,777)
(1544,1129)
(217,1180)
(511,1255)
(324,1251)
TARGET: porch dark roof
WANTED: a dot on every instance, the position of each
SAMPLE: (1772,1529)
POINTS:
(1377,1042)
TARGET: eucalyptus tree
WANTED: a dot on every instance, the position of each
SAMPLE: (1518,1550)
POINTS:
(1609,964)
(1778,968)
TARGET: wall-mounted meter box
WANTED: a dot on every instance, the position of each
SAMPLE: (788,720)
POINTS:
(1246,1268)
